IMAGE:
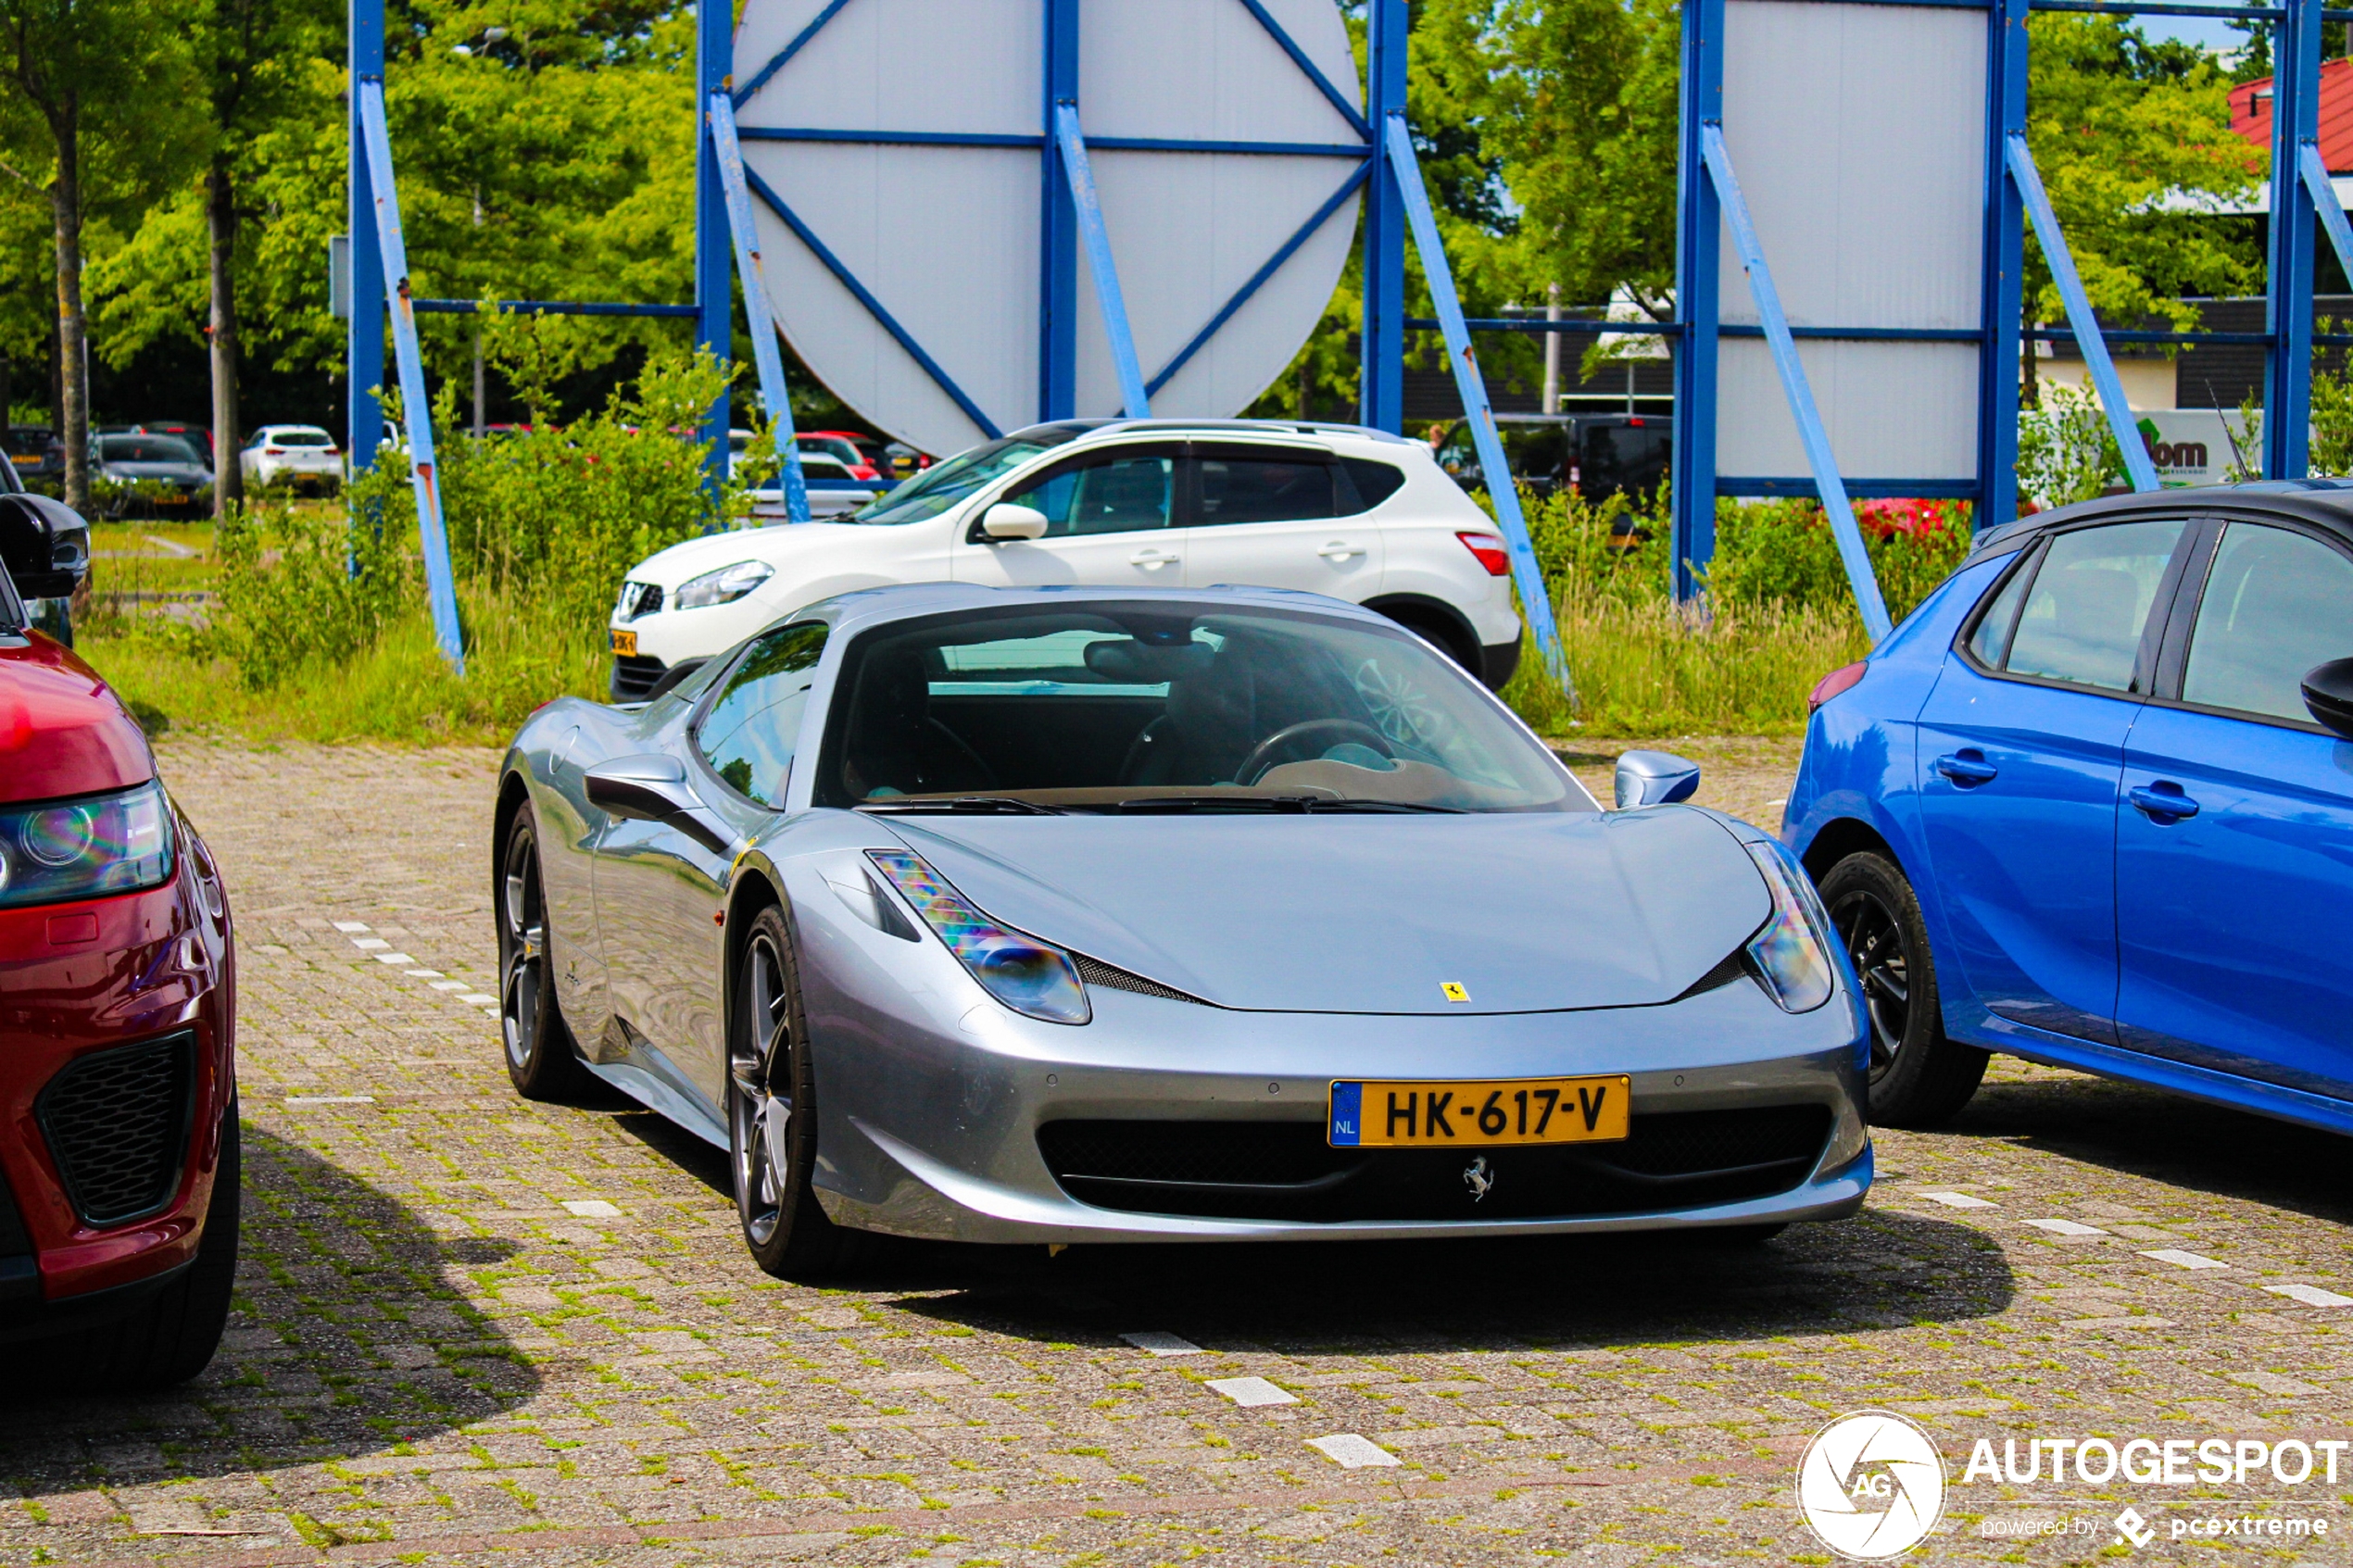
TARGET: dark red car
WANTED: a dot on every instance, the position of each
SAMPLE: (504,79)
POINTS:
(119,1167)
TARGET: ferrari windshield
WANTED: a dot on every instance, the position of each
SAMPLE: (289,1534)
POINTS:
(1176,708)
(940,486)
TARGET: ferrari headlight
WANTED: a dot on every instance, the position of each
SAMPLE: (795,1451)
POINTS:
(1791,952)
(86,848)
(723,586)
(1027,975)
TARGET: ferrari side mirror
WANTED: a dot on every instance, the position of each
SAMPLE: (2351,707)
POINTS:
(45,545)
(1006,520)
(1654,778)
(2328,694)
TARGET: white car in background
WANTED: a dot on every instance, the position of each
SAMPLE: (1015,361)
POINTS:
(1338,509)
(304,452)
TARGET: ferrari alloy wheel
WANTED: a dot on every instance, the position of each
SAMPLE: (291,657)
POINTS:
(771,1112)
(1918,1076)
(539,1054)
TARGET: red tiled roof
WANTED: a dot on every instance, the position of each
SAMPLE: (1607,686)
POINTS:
(2251,113)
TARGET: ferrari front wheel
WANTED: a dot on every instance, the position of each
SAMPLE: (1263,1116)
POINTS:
(539,1055)
(771,1112)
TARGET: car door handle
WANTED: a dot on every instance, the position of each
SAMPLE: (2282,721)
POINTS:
(1966,768)
(2163,802)
(1340,549)
(1150,560)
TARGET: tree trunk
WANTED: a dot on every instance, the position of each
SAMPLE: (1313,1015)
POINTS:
(221,212)
(73,341)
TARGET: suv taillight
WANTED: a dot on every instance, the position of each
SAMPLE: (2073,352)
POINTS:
(1490,551)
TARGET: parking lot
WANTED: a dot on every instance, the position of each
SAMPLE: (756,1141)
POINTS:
(472,1329)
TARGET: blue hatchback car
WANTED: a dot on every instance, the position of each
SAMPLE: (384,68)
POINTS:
(2092,805)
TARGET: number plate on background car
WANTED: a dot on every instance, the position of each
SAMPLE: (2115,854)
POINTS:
(1380,1114)
(624,644)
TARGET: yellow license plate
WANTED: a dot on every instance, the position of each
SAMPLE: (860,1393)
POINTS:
(624,643)
(1440,1114)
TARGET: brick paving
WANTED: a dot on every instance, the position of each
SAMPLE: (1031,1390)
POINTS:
(435,1360)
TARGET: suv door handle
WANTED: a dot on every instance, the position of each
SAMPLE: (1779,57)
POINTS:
(2163,802)
(1966,768)
(1340,549)
(1151,560)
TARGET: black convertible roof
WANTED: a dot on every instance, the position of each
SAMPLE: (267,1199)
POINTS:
(2328,502)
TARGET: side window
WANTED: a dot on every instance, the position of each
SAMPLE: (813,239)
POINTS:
(1373,481)
(2083,613)
(1991,637)
(1278,488)
(748,735)
(1115,494)
(2276,604)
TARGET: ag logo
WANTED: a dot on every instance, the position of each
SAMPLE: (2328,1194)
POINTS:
(1872,1485)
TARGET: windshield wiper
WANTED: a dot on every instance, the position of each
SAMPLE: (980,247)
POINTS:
(1301,804)
(1366,805)
(969,805)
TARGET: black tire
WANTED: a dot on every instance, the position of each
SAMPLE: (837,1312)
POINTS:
(1433,630)
(1918,1078)
(540,1057)
(771,1112)
(171,1335)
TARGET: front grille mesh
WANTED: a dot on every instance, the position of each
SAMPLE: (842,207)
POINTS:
(1094,972)
(1720,1140)
(638,600)
(117,1122)
(633,676)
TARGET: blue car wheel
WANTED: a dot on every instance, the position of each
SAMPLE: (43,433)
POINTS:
(1919,1077)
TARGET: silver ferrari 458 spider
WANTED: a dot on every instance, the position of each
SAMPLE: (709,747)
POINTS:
(1093,915)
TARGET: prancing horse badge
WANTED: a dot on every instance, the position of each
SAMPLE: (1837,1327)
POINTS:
(1453,991)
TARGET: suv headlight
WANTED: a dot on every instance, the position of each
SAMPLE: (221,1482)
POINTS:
(1791,952)
(59,850)
(1030,976)
(723,586)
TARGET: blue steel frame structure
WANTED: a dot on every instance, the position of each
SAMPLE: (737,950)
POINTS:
(2303,202)
(1380,162)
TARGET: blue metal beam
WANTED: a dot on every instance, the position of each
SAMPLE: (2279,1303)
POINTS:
(415,405)
(1014,140)
(1057,223)
(2324,203)
(2056,256)
(777,61)
(2295,109)
(1690,490)
(715,60)
(1381,332)
(1527,575)
(1810,431)
(775,396)
(1096,239)
(1274,264)
(2000,268)
(1332,94)
(364,334)
(864,295)
(548,308)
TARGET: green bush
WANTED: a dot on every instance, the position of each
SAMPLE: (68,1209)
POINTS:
(297,587)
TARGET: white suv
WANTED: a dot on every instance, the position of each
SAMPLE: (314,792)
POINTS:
(304,452)
(1338,509)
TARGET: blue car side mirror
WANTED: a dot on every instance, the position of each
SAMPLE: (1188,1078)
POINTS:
(1654,778)
(2328,694)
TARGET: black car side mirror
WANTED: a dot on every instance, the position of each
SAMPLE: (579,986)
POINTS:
(45,545)
(2328,694)
(653,788)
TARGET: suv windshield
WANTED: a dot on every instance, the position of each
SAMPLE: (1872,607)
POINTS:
(940,486)
(1172,708)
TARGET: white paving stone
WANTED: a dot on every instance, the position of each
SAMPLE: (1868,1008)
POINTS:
(1351,1451)
(1958,1200)
(592,1208)
(2310,1294)
(2186,1259)
(1152,1342)
(1249,1391)
(2066,1228)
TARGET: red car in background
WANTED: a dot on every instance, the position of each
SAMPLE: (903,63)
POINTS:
(861,455)
(118,1143)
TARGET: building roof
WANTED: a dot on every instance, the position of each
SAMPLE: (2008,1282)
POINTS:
(2251,113)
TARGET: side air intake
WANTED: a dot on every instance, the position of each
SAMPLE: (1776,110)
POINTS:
(1094,972)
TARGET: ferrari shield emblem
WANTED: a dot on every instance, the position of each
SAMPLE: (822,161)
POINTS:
(1453,991)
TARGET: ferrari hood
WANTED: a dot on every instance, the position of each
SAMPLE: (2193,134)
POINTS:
(1374,914)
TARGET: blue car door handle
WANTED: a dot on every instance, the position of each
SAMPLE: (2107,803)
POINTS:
(2163,802)
(1966,768)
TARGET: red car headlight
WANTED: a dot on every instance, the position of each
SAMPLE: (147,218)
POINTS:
(53,852)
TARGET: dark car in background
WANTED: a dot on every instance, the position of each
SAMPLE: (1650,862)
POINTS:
(35,453)
(198,437)
(2092,805)
(1597,457)
(162,475)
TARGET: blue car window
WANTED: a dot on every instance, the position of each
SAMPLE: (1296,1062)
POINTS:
(2089,601)
(748,735)
(1992,638)
(2276,604)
